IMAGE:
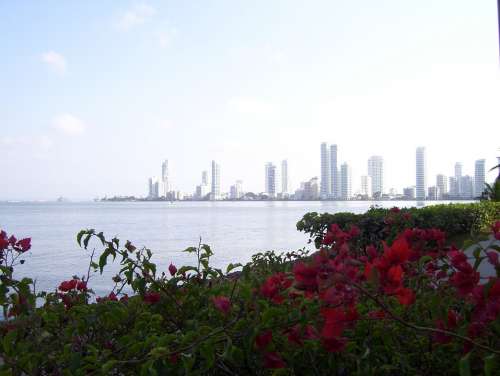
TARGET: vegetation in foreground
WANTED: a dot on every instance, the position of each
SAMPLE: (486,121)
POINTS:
(405,303)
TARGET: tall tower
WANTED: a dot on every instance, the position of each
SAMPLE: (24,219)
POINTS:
(334,176)
(458,177)
(215,192)
(284,176)
(204,177)
(479,177)
(376,172)
(421,186)
(442,186)
(165,178)
(345,179)
(366,186)
(326,180)
(270,179)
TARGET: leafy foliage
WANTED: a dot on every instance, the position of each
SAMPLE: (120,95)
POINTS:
(409,304)
(378,224)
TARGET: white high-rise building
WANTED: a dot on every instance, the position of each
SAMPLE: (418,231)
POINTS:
(165,178)
(284,177)
(376,172)
(345,181)
(204,178)
(467,187)
(236,190)
(453,187)
(326,180)
(366,186)
(334,173)
(215,191)
(270,180)
(153,188)
(479,177)
(442,186)
(421,186)
(458,177)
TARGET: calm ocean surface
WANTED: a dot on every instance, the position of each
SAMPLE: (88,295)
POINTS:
(234,230)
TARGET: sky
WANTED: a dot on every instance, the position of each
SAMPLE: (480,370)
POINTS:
(95,94)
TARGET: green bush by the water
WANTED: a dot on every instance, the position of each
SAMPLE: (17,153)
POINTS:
(406,304)
(454,219)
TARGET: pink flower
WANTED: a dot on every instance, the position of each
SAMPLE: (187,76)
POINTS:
(24,244)
(493,258)
(152,297)
(172,269)
(273,360)
(263,339)
(222,303)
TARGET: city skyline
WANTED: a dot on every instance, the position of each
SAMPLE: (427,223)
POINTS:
(276,184)
(84,117)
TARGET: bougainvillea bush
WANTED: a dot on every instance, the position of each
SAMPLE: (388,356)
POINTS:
(409,305)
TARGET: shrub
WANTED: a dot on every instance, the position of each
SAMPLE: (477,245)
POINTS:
(379,224)
(410,306)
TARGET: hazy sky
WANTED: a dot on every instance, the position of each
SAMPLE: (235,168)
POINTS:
(94,94)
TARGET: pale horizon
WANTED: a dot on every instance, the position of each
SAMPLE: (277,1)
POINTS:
(96,95)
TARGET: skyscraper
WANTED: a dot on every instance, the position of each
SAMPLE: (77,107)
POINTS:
(458,177)
(326,181)
(467,187)
(366,186)
(479,177)
(442,186)
(204,177)
(334,175)
(420,174)
(236,190)
(345,179)
(215,192)
(270,180)
(376,172)
(284,176)
(165,178)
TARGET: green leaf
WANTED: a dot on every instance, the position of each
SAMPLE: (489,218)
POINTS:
(464,365)
(232,267)
(108,366)
(79,237)
(191,250)
(103,260)
(490,364)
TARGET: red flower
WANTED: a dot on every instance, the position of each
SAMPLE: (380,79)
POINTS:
(81,286)
(274,285)
(152,297)
(496,230)
(12,240)
(395,275)
(263,339)
(335,344)
(172,269)
(293,335)
(328,238)
(222,303)
(23,245)
(465,281)
(493,258)
(336,320)
(405,296)
(66,286)
(399,252)
(4,242)
(273,360)
(305,276)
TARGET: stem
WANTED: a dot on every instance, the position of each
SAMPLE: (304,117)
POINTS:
(418,327)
